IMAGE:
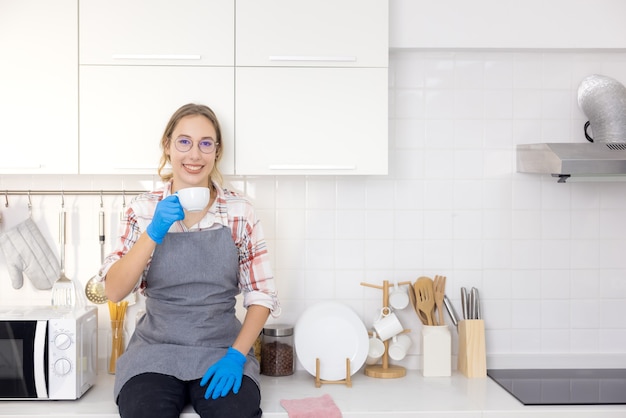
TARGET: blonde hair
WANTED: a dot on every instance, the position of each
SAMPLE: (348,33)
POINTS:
(191,109)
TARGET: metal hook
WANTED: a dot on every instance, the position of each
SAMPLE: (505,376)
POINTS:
(30,205)
(6,198)
(62,199)
(101,202)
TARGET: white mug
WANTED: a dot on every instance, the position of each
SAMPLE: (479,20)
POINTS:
(399,346)
(194,199)
(399,297)
(387,325)
(376,350)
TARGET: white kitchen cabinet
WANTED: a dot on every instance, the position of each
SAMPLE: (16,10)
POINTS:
(39,86)
(136,69)
(124,110)
(347,33)
(311,121)
(311,87)
(534,24)
(149,32)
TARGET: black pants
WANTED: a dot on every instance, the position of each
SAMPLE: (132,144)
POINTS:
(157,395)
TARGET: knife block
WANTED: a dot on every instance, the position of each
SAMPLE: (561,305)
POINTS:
(472,360)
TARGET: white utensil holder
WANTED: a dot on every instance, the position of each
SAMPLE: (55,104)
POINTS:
(436,348)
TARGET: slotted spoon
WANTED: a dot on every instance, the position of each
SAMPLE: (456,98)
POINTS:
(63,290)
(419,313)
(439,287)
(425,299)
(94,289)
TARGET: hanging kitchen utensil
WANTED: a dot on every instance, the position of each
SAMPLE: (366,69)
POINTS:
(425,298)
(63,290)
(94,289)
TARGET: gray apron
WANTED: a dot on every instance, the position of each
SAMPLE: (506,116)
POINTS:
(190,309)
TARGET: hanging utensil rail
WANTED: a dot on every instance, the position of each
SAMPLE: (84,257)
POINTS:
(71,192)
(63,192)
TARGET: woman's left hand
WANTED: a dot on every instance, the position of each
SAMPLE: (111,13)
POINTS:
(225,375)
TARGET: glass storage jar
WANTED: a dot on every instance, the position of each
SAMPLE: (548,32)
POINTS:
(277,351)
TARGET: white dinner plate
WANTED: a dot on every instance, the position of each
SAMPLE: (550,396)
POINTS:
(331,332)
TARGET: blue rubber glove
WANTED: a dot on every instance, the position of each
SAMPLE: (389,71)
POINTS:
(166,213)
(225,375)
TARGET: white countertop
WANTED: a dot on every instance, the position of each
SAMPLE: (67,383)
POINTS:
(409,396)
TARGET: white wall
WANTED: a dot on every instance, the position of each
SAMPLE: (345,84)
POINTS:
(547,257)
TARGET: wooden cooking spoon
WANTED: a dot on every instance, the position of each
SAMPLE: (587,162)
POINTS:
(440,291)
(425,298)
(419,313)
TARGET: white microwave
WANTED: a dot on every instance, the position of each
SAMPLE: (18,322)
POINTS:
(47,352)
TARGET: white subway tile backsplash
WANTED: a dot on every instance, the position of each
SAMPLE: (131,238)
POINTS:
(499,71)
(469,71)
(555,341)
(548,258)
(439,70)
(527,104)
(439,104)
(526,341)
(498,104)
(469,134)
(527,71)
(525,254)
(438,253)
(585,254)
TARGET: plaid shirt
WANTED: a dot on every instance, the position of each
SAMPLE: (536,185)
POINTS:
(229,209)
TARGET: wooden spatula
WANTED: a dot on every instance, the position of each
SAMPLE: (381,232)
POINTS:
(425,298)
(440,291)
(419,313)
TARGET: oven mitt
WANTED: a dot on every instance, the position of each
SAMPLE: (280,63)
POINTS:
(26,251)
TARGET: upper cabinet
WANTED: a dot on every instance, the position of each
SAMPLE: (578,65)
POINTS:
(532,24)
(124,111)
(321,33)
(299,86)
(39,86)
(140,61)
(311,87)
(149,32)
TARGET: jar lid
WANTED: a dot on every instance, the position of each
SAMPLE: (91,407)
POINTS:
(278,330)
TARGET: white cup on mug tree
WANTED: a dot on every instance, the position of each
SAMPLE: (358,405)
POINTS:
(194,199)
(399,346)
(375,351)
(399,297)
(387,325)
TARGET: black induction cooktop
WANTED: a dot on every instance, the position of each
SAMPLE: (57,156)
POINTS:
(563,386)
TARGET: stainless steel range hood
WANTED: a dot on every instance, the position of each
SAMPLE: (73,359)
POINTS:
(563,160)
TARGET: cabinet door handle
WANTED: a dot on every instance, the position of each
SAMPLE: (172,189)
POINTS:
(155,57)
(136,168)
(311,58)
(20,166)
(310,167)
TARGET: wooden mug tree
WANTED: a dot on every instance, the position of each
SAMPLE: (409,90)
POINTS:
(385,370)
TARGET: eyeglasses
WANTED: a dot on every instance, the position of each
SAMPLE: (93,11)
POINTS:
(184,144)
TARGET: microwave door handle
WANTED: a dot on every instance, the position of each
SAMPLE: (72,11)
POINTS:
(38,359)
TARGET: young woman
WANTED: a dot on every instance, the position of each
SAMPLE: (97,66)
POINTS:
(189,347)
